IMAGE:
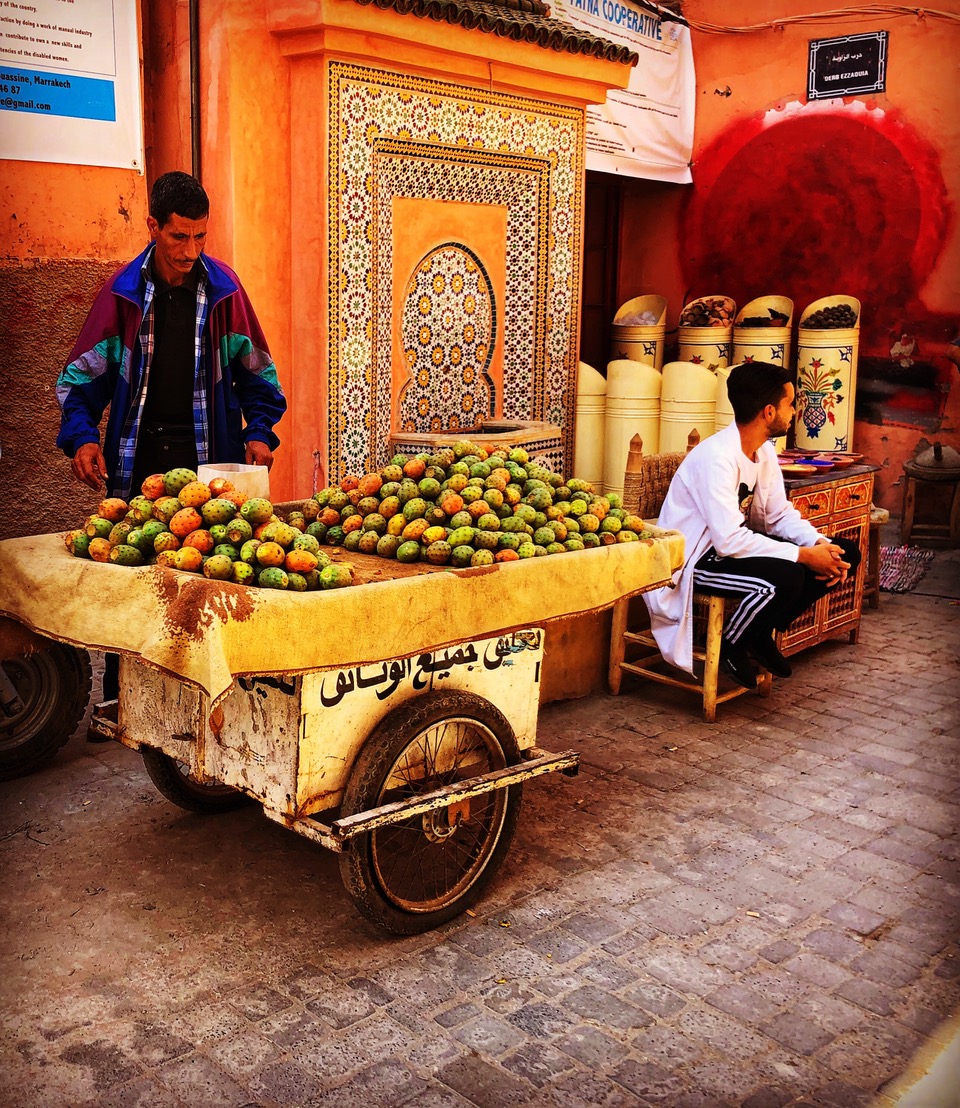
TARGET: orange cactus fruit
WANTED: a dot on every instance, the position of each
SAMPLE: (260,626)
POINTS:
(370,484)
(167,558)
(113,508)
(194,495)
(99,549)
(220,485)
(189,559)
(185,521)
(201,539)
(270,554)
(300,561)
(350,482)
(153,487)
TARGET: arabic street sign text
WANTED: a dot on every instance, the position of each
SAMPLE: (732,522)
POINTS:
(848,66)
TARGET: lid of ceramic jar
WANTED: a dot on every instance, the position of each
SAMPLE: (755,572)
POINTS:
(936,461)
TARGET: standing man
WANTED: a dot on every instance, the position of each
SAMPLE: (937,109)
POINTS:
(744,539)
(173,347)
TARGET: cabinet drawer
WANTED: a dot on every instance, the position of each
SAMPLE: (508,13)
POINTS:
(813,502)
(857,494)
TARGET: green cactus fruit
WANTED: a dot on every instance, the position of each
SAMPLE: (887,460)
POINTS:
(124,555)
(141,509)
(406,552)
(388,545)
(226,550)
(460,556)
(217,511)
(248,552)
(98,528)
(273,577)
(526,550)
(323,559)
(462,536)
(256,510)
(296,582)
(306,542)
(80,544)
(119,532)
(336,577)
(438,553)
(318,530)
(367,543)
(482,558)
(175,479)
(218,567)
(242,573)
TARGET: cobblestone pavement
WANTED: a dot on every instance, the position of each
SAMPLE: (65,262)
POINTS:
(761,912)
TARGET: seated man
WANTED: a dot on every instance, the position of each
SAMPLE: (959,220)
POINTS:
(744,539)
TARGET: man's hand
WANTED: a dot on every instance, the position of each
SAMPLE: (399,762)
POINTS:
(826,560)
(88,465)
(259,454)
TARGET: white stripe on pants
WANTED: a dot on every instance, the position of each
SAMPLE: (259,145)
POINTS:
(754,593)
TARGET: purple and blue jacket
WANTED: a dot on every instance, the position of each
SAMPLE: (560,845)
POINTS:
(236,397)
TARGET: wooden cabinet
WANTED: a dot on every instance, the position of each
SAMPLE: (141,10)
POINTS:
(836,503)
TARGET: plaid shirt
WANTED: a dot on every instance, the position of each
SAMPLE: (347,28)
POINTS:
(131,430)
(237,396)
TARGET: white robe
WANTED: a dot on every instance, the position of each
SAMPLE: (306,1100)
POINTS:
(703,503)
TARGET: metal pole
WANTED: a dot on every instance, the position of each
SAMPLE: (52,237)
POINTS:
(195,88)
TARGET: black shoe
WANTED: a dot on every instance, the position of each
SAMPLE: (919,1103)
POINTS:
(736,665)
(765,651)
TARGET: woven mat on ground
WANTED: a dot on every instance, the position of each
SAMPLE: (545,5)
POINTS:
(902,567)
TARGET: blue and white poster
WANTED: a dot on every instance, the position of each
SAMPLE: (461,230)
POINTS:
(70,82)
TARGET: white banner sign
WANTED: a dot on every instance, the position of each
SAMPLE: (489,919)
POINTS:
(70,82)
(645,130)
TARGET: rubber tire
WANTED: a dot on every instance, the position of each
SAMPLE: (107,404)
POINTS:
(383,749)
(191,795)
(54,685)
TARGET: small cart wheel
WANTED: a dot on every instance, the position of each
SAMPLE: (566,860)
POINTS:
(44,697)
(173,780)
(411,876)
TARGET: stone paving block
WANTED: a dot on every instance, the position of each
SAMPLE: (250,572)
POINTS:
(331,1055)
(883,968)
(244,1055)
(435,1095)
(483,1084)
(306,982)
(818,971)
(606,972)
(102,1061)
(145,1093)
(386,1085)
(682,971)
(585,1090)
(591,1047)
(655,998)
(603,1008)
(832,944)
(341,1006)
(537,1063)
(854,918)
(285,1082)
(543,1021)
(797,1033)
(748,1005)
(871,1056)
(558,945)
(488,1036)
(197,1079)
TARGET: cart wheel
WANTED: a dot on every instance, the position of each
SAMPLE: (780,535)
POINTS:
(173,779)
(409,877)
(42,700)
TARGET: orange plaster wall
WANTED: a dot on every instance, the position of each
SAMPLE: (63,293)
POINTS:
(421,226)
(840,221)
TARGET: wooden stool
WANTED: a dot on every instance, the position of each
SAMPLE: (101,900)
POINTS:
(871,583)
(937,466)
(645,484)
(709,611)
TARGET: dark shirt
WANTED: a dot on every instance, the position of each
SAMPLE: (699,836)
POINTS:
(170,390)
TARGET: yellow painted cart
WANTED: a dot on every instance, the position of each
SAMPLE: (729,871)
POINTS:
(393,722)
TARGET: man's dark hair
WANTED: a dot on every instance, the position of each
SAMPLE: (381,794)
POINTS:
(753,385)
(180,194)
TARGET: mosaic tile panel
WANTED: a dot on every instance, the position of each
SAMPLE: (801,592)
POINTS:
(449,327)
(392,134)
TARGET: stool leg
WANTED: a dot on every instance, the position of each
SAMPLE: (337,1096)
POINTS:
(617,645)
(711,664)
(873,564)
(909,504)
(955,516)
